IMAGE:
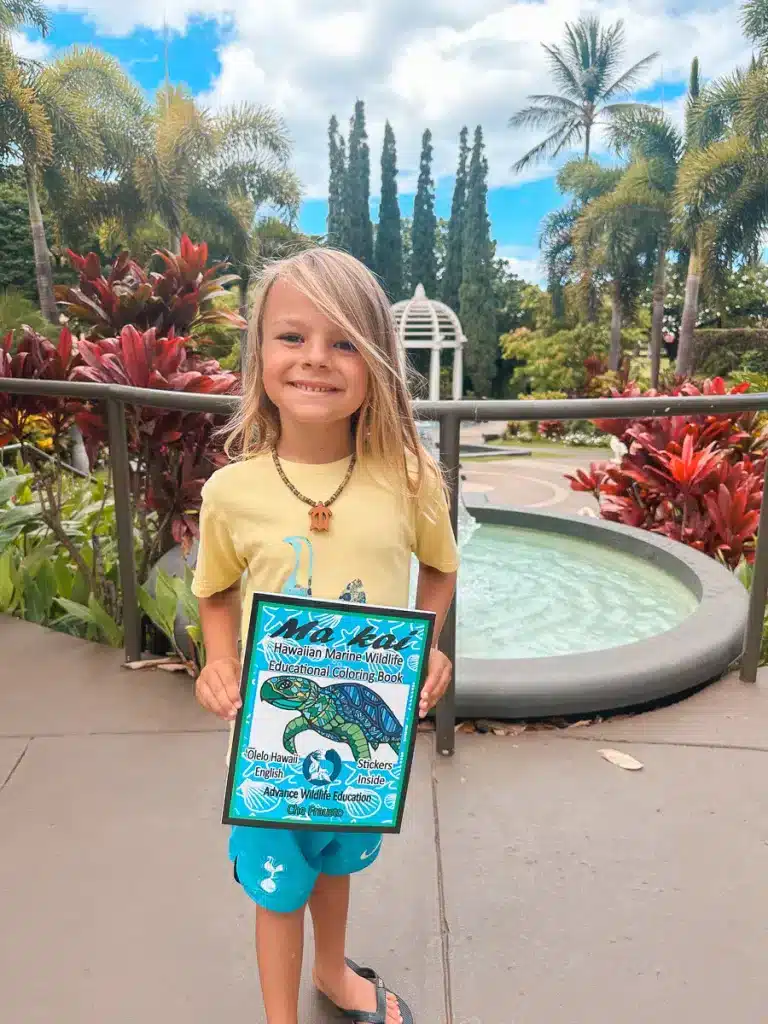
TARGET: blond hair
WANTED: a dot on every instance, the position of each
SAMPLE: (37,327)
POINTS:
(349,295)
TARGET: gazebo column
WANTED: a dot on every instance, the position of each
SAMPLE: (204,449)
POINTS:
(434,374)
(458,372)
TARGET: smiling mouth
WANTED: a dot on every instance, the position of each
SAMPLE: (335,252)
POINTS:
(313,389)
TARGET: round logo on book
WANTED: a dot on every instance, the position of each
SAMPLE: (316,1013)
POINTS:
(322,769)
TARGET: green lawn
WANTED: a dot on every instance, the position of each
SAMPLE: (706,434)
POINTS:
(543,447)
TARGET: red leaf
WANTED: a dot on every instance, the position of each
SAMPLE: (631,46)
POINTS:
(134,352)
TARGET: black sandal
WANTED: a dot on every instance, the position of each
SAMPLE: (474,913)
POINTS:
(379,1015)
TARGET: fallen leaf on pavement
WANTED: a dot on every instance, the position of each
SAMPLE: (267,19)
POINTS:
(150,663)
(621,760)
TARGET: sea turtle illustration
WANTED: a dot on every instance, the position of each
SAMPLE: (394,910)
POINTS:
(346,712)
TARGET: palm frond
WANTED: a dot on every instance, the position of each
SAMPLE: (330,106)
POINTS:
(228,217)
(646,133)
(249,130)
(560,139)
(565,75)
(710,116)
(750,119)
(556,241)
(706,179)
(626,82)
(743,219)
(560,104)
(99,115)
(587,179)
(277,187)
(25,130)
(543,117)
(754,20)
(15,14)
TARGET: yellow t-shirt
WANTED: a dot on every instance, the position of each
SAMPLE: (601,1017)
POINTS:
(252,525)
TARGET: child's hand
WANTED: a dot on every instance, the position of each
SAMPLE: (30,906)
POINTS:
(218,687)
(438,677)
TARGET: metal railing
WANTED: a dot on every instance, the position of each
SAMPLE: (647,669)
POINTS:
(450,416)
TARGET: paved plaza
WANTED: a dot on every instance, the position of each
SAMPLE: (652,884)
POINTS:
(534,881)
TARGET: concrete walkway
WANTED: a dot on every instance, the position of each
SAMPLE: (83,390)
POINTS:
(534,882)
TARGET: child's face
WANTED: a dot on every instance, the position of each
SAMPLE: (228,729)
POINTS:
(312,373)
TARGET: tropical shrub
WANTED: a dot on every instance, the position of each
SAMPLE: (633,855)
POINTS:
(554,361)
(17,313)
(34,357)
(576,432)
(172,593)
(17,259)
(173,453)
(57,531)
(696,479)
(178,301)
(719,352)
(58,552)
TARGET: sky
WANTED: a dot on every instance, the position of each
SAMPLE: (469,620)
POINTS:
(437,64)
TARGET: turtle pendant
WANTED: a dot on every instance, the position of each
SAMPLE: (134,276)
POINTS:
(319,518)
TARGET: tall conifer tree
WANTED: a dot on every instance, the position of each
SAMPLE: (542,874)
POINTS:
(358,189)
(476,297)
(389,242)
(451,280)
(423,262)
(336,187)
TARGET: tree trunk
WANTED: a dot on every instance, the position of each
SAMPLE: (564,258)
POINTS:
(690,312)
(615,355)
(43,269)
(175,242)
(657,315)
(245,280)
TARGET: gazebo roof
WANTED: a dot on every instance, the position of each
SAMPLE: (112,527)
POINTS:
(426,323)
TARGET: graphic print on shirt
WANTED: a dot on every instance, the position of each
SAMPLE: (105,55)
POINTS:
(302,546)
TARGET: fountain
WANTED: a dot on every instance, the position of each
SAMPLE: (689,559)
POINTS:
(565,614)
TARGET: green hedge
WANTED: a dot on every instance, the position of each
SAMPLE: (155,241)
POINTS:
(720,351)
(17,261)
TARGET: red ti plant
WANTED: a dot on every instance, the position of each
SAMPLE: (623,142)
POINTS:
(170,302)
(36,358)
(698,479)
(173,452)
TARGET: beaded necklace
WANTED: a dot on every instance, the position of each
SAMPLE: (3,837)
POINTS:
(319,511)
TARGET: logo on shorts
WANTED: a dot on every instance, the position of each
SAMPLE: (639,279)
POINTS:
(322,769)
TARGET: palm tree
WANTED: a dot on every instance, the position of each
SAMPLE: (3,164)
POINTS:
(722,190)
(618,234)
(217,168)
(645,196)
(68,123)
(584,71)
(585,180)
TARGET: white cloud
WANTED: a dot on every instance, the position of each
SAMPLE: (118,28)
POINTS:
(432,63)
(32,49)
(523,261)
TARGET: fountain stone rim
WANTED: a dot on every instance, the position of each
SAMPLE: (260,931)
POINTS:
(694,652)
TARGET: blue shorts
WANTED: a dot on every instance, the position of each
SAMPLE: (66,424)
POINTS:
(278,867)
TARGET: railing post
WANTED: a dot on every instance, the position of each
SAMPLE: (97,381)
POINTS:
(753,637)
(445,714)
(121,481)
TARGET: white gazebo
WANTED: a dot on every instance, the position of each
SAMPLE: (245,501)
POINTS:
(427,323)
